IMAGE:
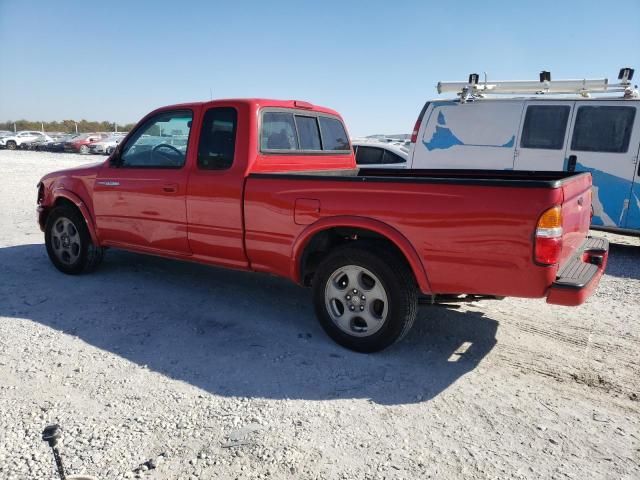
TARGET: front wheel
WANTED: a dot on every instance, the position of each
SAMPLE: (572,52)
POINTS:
(11,145)
(84,149)
(68,242)
(363,302)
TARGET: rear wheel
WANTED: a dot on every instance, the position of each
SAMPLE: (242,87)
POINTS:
(363,302)
(84,149)
(68,242)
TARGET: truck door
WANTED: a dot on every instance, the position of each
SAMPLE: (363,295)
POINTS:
(215,192)
(139,201)
(605,143)
(543,136)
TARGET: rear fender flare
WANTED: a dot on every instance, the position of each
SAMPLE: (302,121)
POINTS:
(381,228)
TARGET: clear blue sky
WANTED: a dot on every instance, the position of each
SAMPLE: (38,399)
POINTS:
(375,62)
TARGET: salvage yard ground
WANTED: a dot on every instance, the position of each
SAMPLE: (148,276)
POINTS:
(160,369)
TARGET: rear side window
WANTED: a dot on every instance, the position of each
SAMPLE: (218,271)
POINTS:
(308,133)
(334,136)
(369,155)
(603,129)
(545,127)
(218,139)
(278,132)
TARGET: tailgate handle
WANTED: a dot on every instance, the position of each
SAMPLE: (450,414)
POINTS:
(571,165)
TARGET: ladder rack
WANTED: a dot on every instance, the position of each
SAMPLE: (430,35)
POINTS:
(585,87)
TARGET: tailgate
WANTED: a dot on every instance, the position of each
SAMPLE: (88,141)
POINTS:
(576,214)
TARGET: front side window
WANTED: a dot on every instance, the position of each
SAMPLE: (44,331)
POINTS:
(278,132)
(308,133)
(545,127)
(334,136)
(603,129)
(218,139)
(161,142)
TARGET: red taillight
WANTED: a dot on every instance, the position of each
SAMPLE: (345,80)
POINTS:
(548,250)
(548,245)
(416,129)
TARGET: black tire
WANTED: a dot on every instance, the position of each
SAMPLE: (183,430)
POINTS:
(84,150)
(11,145)
(89,255)
(398,282)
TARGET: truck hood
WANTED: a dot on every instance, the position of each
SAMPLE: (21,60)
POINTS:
(87,171)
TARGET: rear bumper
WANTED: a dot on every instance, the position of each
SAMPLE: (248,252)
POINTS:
(578,278)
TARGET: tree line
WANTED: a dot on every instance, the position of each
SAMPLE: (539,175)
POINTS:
(66,126)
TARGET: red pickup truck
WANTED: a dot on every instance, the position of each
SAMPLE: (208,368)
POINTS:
(272,186)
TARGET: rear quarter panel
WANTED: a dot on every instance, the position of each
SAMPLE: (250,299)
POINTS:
(470,239)
(576,214)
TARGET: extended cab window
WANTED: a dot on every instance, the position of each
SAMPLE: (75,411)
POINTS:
(308,132)
(545,127)
(334,136)
(278,132)
(603,129)
(161,142)
(305,132)
(218,139)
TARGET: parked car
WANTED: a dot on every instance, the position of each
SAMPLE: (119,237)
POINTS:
(272,186)
(106,145)
(57,144)
(21,139)
(380,154)
(600,135)
(37,144)
(5,133)
(80,144)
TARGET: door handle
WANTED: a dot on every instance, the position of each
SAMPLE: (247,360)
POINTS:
(170,187)
(571,164)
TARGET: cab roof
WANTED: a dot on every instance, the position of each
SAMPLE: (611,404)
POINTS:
(256,103)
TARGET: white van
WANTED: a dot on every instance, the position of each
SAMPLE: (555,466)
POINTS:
(599,135)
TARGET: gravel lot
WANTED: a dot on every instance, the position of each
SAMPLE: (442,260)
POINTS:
(166,370)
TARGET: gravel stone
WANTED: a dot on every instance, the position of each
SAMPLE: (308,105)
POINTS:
(150,363)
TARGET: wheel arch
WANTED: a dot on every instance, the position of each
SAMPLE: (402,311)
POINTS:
(318,239)
(65,197)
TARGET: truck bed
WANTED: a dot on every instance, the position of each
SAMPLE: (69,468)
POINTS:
(472,230)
